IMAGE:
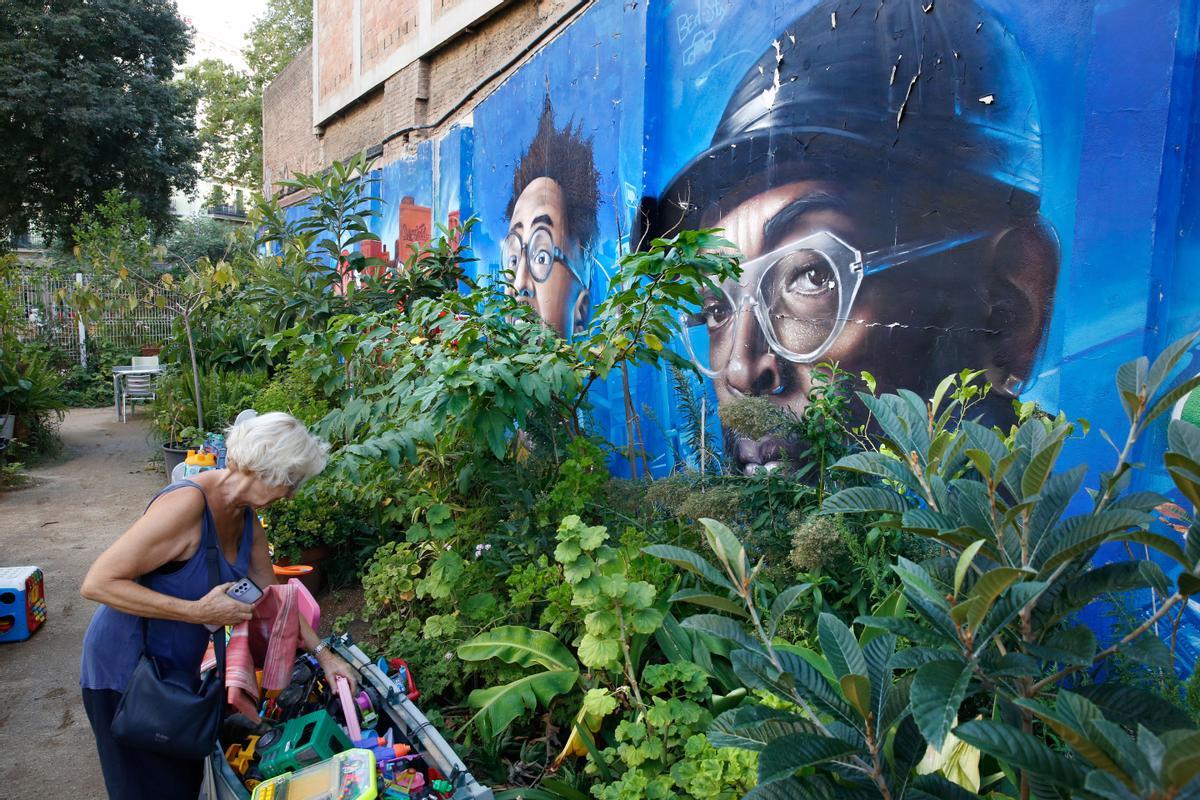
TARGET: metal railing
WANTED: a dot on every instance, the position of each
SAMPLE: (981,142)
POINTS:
(50,319)
(224,210)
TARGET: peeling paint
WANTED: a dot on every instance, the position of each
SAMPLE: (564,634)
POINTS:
(770,94)
(908,94)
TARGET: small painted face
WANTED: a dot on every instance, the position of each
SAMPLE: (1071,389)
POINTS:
(536,252)
(799,295)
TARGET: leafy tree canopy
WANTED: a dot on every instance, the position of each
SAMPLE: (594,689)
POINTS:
(231,99)
(275,39)
(88,103)
(229,122)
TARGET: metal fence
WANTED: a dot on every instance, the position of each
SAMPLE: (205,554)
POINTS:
(51,320)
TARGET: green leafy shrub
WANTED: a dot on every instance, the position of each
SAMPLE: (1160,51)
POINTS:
(316,517)
(224,395)
(31,390)
(665,753)
(818,543)
(293,391)
(756,417)
(390,585)
(87,385)
(996,650)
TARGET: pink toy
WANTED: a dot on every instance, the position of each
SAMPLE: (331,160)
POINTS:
(407,781)
(349,709)
(309,608)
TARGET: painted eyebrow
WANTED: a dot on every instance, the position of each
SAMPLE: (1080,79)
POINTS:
(776,226)
(515,227)
(544,219)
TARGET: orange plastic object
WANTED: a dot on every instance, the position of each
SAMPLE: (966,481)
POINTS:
(292,570)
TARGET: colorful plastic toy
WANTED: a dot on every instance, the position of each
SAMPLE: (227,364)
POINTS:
(349,708)
(370,718)
(302,741)
(384,747)
(408,781)
(345,776)
(240,756)
(22,602)
(401,676)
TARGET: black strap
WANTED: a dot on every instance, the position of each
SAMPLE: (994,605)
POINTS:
(211,543)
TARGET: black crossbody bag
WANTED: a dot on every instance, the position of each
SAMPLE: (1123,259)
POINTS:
(164,710)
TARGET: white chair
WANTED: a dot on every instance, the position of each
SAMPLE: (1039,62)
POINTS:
(135,389)
(142,362)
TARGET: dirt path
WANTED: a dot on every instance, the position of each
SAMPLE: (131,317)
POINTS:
(76,508)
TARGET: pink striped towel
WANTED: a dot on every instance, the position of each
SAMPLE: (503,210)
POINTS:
(270,638)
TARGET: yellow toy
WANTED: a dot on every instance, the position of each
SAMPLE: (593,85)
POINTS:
(347,776)
(239,757)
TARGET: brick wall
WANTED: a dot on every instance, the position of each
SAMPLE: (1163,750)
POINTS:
(386,25)
(289,145)
(420,93)
(335,45)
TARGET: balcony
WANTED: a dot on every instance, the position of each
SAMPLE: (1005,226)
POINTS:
(226,211)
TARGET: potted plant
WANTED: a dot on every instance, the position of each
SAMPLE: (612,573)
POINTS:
(304,531)
(172,422)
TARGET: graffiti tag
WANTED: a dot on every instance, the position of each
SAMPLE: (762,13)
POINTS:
(694,31)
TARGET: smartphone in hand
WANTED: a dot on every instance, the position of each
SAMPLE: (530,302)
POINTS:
(244,591)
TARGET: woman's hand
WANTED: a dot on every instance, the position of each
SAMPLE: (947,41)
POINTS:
(218,608)
(335,665)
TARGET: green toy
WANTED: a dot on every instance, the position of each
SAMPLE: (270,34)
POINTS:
(302,741)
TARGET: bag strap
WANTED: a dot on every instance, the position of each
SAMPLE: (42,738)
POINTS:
(210,542)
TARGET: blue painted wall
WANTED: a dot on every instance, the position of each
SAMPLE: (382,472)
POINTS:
(1074,117)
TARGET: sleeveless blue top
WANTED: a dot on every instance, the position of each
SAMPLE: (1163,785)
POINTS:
(112,645)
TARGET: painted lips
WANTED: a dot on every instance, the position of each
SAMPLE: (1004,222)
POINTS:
(770,453)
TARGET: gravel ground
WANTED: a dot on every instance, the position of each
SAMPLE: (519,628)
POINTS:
(74,509)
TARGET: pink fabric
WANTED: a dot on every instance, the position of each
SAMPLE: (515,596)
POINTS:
(269,639)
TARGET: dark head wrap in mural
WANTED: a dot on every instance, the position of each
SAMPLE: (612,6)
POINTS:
(552,222)
(879,168)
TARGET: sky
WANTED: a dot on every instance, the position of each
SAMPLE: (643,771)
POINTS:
(221,27)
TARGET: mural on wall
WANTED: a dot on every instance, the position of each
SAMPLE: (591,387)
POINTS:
(917,187)
(552,225)
(887,206)
(452,198)
(555,182)
(405,211)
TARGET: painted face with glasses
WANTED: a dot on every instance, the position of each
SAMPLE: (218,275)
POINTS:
(801,298)
(813,290)
(539,255)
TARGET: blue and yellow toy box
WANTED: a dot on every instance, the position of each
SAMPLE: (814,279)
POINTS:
(22,603)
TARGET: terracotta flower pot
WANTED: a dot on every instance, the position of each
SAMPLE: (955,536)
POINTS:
(311,557)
